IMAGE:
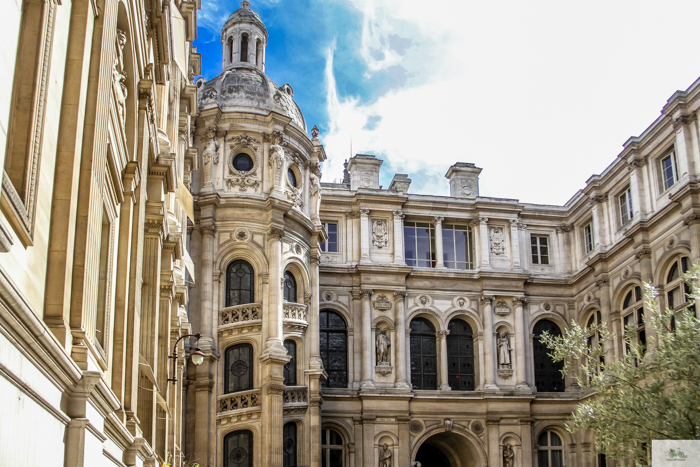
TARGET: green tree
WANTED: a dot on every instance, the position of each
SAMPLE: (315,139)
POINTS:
(650,393)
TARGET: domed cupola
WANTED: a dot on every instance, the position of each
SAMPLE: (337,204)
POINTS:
(244,38)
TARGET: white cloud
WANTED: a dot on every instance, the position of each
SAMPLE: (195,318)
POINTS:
(540,94)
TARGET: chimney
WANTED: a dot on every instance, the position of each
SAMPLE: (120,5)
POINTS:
(464,180)
(400,183)
(364,171)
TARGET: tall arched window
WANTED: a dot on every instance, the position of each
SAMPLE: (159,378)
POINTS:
(550,451)
(244,48)
(548,377)
(238,367)
(238,449)
(460,356)
(423,354)
(675,288)
(633,316)
(289,454)
(229,50)
(258,52)
(593,338)
(290,287)
(331,449)
(240,285)
(290,368)
(333,338)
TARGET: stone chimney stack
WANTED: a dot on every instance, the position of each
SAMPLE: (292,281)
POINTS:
(364,171)
(464,180)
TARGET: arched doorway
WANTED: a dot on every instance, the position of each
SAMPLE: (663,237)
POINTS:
(448,449)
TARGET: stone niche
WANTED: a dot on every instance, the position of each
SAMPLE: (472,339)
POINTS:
(364,171)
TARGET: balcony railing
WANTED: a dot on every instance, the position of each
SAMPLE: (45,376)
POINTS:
(294,312)
(239,401)
(240,314)
(295,399)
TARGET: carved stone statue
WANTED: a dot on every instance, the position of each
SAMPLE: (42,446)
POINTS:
(383,344)
(508,456)
(119,76)
(503,350)
(384,456)
(380,233)
(497,241)
(210,153)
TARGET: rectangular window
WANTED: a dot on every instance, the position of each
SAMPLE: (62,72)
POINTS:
(669,171)
(540,249)
(625,201)
(457,246)
(419,238)
(331,245)
(588,237)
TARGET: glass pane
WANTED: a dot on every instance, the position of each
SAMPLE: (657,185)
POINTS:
(543,458)
(448,248)
(290,368)
(336,458)
(410,243)
(638,294)
(238,449)
(239,374)
(289,446)
(557,458)
(543,441)
(673,273)
(423,244)
(556,440)
(461,246)
(548,377)
(239,283)
(332,237)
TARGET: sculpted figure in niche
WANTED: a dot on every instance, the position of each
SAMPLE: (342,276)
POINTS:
(380,233)
(384,456)
(508,456)
(503,350)
(383,344)
(497,241)
(210,153)
(119,75)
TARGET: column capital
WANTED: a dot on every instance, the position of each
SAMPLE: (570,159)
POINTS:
(353,214)
(208,228)
(487,299)
(683,120)
(356,295)
(153,228)
(483,220)
(692,219)
(514,222)
(366,292)
(398,214)
(364,212)
(442,334)
(522,300)
(276,232)
(400,295)
(438,220)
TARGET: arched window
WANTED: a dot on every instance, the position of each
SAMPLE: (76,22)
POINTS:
(289,454)
(229,50)
(460,356)
(238,369)
(258,52)
(333,338)
(548,377)
(244,48)
(550,452)
(239,283)
(290,368)
(423,354)
(633,316)
(238,449)
(676,289)
(292,177)
(331,449)
(594,334)
(290,287)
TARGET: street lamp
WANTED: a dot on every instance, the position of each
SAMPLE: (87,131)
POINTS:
(197,356)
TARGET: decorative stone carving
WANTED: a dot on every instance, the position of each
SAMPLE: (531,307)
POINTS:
(119,76)
(210,154)
(384,456)
(380,233)
(416,426)
(241,235)
(477,427)
(448,424)
(239,401)
(423,300)
(328,296)
(382,303)
(497,241)
(384,369)
(383,343)
(508,456)
(276,232)
(239,313)
(314,132)
(277,160)
(248,179)
(547,306)
(505,373)
(501,308)
(504,350)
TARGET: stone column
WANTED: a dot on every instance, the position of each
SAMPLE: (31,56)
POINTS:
(312,299)
(364,237)
(598,214)
(367,341)
(439,256)
(693,223)
(520,347)
(492,434)
(274,299)
(354,256)
(356,308)
(611,349)
(489,368)
(351,454)
(484,241)
(209,323)
(515,243)
(526,441)
(404,447)
(398,239)
(357,426)
(370,456)
(401,380)
(442,340)
(349,237)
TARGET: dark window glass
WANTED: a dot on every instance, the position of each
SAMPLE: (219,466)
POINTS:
(550,452)
(419,238)
(540,249)
(230,49)
(602,460)
(289,446)
(457,246)
(239,368)
(331,246)
(333,345)
(290,287)
(331,449)
(238,449)
(291,176)
(668,170)
(244,48)
(243,162)
(548,377)
(290,368)
(460,356)
(239,283)
(629,300)
(423,354)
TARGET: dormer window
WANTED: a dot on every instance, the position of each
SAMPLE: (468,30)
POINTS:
(244,47)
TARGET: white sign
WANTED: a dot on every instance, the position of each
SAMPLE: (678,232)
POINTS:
(675,453)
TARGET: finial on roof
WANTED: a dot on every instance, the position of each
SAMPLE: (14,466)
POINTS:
(245,4)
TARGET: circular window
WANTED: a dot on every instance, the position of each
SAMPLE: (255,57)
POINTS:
(291,176)
(238,455)
(243,162)
(239,368)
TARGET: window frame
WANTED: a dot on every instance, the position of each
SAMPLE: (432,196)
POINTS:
(536,258)
(671,155)
(456,263)
(333,330)
(324,245)
(683,264)
(290,368)
(633,312)
(625,206)
(549,447)
(452,356)
(290,288)
(416,226)
(588,237)
(595,319)
(227,290)
(550,364)
(250,452)
(422,356)
(326,447)
(227,368)
(287,456)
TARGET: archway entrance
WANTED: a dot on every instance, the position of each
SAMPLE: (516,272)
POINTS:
(447,449)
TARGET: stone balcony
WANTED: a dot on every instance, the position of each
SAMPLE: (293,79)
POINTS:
(239,402)
(295,399)
(295,316)
(240,318)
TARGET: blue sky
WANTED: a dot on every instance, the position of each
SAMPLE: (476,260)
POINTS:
(540,94)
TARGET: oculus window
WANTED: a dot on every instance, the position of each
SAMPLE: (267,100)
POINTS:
(331,245)
(457,246)
(539,247)
(419,238)
(291,177)
(239,283)
(243,162)
(333,337)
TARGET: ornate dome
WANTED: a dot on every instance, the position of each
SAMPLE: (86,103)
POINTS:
(247,89)
(245,15)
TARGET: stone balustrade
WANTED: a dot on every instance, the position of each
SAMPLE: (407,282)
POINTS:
(240,313)
(294,312)
(295,395)
(239,401)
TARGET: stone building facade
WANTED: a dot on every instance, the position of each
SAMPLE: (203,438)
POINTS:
(96,115)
